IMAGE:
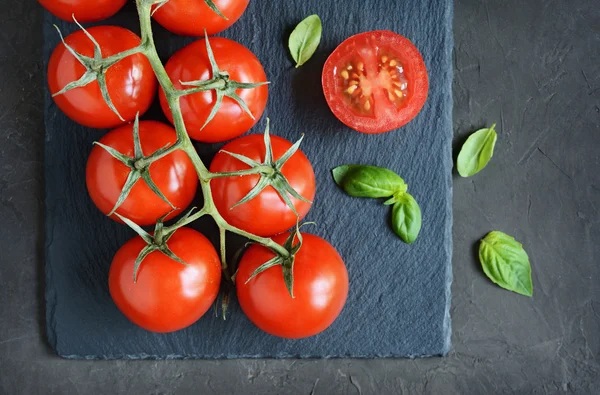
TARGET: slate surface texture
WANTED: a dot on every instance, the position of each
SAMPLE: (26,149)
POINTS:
(532,67)
(406,313)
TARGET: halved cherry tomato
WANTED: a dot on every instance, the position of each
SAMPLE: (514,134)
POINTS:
(191,63)
(174,175)
(168,295)
(375,82)
(191,17)
(131,82)
(85,10)
(320,289)
(267,214)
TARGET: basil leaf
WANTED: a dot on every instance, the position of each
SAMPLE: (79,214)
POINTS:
(305,39)
(476,152)
(406,218)
(506,263)
(368,181)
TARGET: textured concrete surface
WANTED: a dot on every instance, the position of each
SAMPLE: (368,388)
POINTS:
(530,66)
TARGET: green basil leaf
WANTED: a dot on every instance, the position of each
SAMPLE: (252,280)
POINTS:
(305,39)
(506,263)
(368,181)
(406,218)
(476,152)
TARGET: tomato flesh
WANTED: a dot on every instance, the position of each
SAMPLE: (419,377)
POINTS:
(375,82)
(167,295)
(320,289)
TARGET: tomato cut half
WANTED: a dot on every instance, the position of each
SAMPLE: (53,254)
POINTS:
(375,82)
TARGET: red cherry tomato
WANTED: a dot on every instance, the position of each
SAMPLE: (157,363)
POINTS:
(191,17)
(320,289)
(266,214)
(375,82)
(191,63)
(131,82)
(85,10)
(174,174)
(167,296)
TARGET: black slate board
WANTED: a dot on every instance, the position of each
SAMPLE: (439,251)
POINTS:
(399,298)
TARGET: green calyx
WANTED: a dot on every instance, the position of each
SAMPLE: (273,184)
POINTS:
(286,262)
(214,7)
(96,68)
(223,86)
(270,171)
(139,165)
(158,240)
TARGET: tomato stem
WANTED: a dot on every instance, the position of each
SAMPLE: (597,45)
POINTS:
(172,94)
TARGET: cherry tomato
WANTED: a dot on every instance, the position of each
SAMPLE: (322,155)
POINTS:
(131,82)
(191,17)
(320,289)
(191,64)
(167,296)
(375,82)
(174,174)
(85,10)
(266,214)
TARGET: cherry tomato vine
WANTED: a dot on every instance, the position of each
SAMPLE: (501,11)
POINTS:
(223,86)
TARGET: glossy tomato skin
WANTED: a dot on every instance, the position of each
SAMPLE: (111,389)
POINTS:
(390,78)
(168,296)
(266,214)
(131,82)
(191,63)
(174,175)
(191,17)
(320,289)
(85,10)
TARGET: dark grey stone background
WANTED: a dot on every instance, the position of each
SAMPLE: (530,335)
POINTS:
(532,67)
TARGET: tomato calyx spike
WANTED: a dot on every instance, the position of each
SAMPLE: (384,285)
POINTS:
(95,66)
(139,165)
(216,9)
(269,171)
(158,4)
(222,84)
(286,262)
(154,242)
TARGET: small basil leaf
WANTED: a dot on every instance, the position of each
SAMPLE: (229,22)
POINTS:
(305,39)
(406,218)
(476,152)
(506,263)
(368,181)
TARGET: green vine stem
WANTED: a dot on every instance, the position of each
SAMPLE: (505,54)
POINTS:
(148,48)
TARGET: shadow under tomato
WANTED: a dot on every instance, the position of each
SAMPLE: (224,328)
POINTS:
(310,104)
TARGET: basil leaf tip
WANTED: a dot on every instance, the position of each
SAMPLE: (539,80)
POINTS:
(506,263)
(305,39)
(477,151)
